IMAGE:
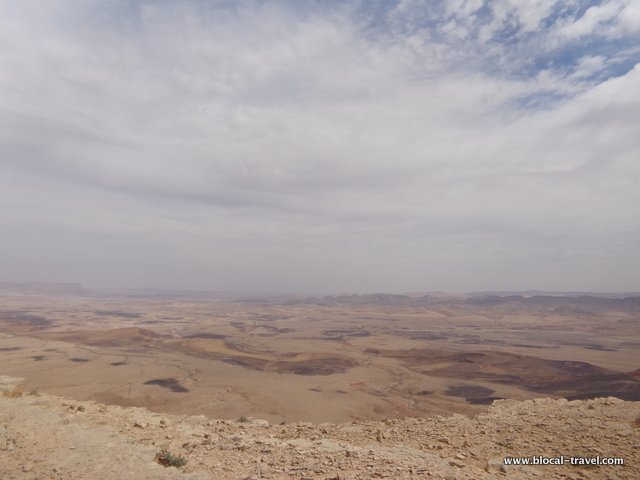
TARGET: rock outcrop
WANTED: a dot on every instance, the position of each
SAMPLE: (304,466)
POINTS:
(43,436)
(11,387)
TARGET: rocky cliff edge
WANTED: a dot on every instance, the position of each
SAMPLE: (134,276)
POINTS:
(47,437)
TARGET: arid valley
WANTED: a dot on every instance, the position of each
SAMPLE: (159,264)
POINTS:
(322,358)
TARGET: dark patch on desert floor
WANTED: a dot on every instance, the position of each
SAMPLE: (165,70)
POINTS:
(316,390)
(271,331)
(347,333)
(569,379)
(260,330)
(79,360)
(602,348)
(168,383)
(38,358)
(211,336)
(482,400)
(117,364)
(117,337)
(10,349)
(118,313)
(21,319)
(468,391)
(244,348)
(247,362)
(252,358)
(316,366)
(423,336)
(240,326)
(424,393)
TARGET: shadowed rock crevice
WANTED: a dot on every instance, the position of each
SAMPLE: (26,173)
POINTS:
(168,383)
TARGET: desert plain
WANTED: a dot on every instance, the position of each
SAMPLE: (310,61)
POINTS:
(319,358)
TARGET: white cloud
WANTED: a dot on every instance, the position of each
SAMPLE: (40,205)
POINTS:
(463,8)
(589,65)
(231,144)
(613,18)
(629,17)
(531,13)
(525,16)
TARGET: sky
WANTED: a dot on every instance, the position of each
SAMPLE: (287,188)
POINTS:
(321,146)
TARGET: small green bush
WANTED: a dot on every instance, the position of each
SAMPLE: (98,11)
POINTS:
(168,459)
(243,419)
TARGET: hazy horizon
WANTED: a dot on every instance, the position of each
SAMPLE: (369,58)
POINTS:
(400,146)
(89,289)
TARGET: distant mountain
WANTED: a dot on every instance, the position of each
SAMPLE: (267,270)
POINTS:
(543,293)
(41,288)
(584,304)
(561,303)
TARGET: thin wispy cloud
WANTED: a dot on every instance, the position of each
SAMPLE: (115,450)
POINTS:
(321,146)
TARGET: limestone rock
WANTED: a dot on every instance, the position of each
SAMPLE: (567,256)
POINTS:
(49,437)
(11,387)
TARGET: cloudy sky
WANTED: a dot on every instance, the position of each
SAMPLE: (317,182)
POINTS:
(321,146)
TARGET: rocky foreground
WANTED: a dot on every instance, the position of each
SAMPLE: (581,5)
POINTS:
(47,437)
